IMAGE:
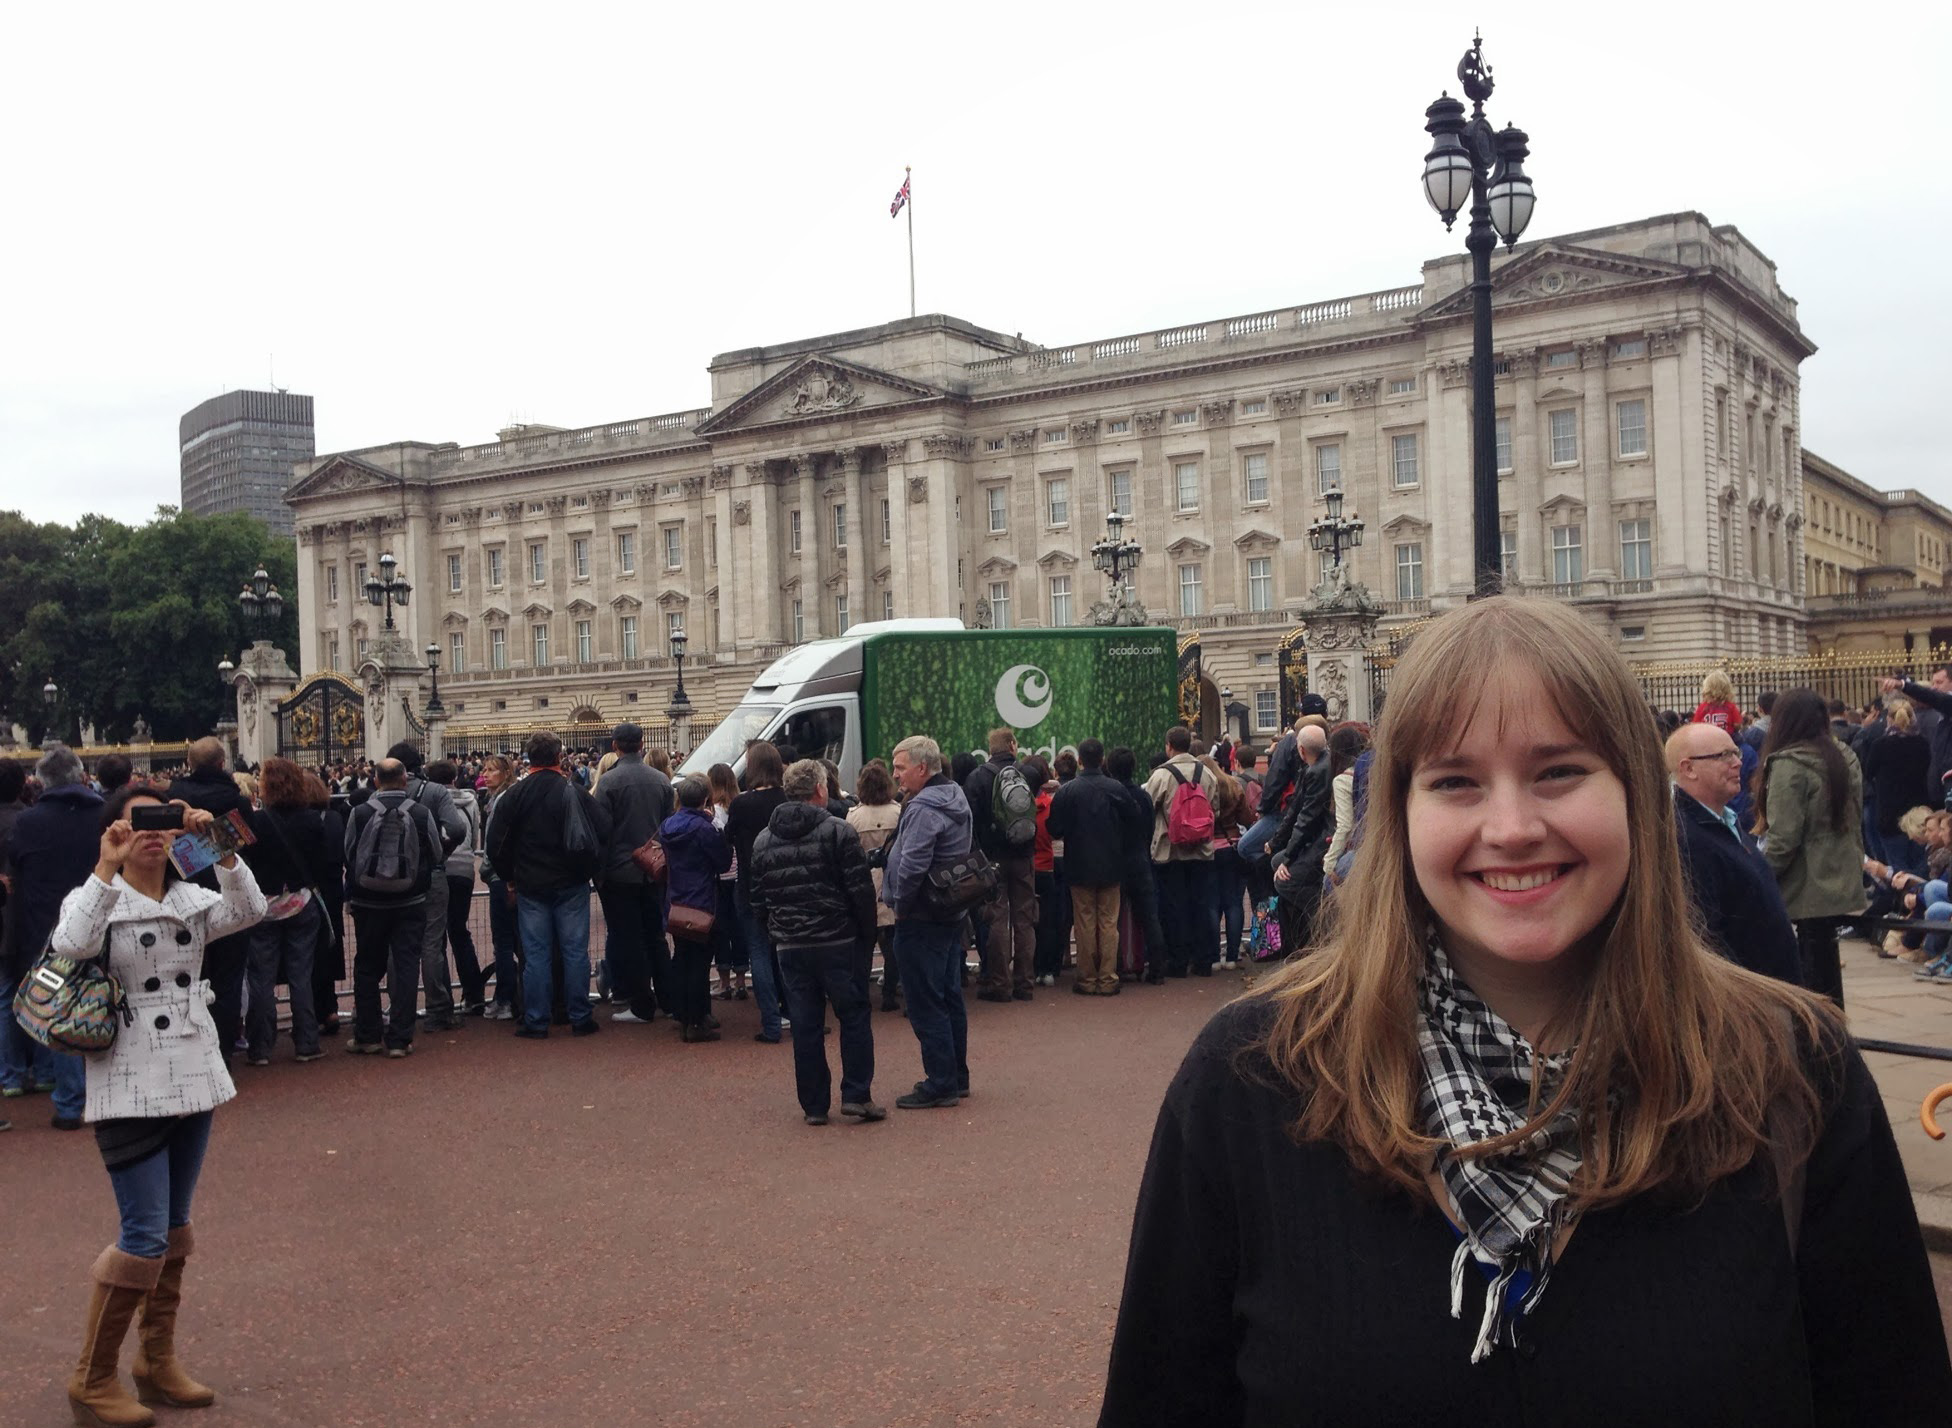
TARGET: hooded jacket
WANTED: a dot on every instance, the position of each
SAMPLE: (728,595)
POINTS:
(810,880)
(935,828)
(1818,866)
(53,849)
(460,863)
(695,853)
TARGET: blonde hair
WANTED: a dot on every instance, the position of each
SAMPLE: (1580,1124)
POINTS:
(247,784)
(603,766)
(1683,1059)
(1717,688)
(1899,714)
(1912,822)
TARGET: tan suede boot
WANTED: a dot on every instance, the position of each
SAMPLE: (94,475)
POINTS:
(159,1377)
(95,1393)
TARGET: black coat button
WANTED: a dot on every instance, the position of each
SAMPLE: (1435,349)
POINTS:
(154,984)
(182,979)
(148,939)
(183,937)
(162,1023)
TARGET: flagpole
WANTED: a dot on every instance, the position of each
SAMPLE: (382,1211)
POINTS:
(908,183)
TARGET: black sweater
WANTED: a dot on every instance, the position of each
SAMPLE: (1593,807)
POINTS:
(1267,1285)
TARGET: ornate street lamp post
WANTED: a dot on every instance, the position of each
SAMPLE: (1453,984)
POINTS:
(678,643)
(386,589)
(434,705)
(1335,533)
(260,601)
(1117,558)
(1469,161)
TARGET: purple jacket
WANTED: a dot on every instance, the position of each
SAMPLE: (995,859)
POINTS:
(695,853)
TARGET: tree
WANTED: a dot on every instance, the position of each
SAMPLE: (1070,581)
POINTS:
(131,621)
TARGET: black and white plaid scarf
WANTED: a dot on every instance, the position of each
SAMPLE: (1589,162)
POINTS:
(1477,1084)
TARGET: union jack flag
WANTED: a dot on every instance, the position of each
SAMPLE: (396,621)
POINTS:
(901,198)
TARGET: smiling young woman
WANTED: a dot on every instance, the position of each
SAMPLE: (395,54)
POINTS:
(1513,1063)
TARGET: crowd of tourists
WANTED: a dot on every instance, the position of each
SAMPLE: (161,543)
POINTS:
(1109,868)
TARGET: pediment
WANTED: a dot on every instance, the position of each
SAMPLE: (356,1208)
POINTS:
(668,599)
(836,578)
(536,610)
(1561,505)
(791,585)
(1405,524)
(881,575)
(1188,545)
(1554,272)
(712,594)
(580,606)
(454,620)
(626,603)
(343,473)
(1057,560)
(1256,540)
(818,389)
(997,565)
(495,615)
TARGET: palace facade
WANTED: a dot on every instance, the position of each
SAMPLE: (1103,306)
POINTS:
(1651,474)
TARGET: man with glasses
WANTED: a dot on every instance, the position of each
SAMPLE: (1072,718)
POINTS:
(1741,908)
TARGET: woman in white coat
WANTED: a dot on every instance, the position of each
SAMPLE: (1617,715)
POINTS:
(150,1095)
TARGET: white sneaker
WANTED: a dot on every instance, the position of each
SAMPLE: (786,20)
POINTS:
(627,1017)
(499,1012)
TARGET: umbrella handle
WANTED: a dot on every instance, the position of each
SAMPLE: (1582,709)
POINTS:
(1926,1116)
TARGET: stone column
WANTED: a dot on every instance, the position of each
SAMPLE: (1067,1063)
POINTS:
(1596,458)
(754,531)
(854,491)
(262,680)
(1527,491)
(733,597)
(813,593)
(1338,640)
(436,722)
(904,577)
(310,607)
(935,541)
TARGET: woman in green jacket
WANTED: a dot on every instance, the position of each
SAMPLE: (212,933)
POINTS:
(1810,799)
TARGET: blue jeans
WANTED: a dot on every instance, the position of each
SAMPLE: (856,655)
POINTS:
(1230,889)
(1253,843)
(508,951)
(816,977)
(1191,916)
(930,955)
(154,1194)
(558,920)
(759,952)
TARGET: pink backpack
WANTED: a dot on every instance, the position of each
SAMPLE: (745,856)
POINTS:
(1189,821)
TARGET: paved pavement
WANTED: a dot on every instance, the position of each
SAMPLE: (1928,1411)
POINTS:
(628,1230)
(1886,1003)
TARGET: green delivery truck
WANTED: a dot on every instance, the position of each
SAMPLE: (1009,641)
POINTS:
(854,697)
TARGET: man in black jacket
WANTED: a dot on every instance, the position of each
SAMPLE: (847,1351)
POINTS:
(637,799)
(546,841)
(1009,961)
(1094,817)
(1296,850)
(810,882)
(209,786)
(1732,887)
(389,926)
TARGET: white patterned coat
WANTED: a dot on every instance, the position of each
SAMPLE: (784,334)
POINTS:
(169,1063)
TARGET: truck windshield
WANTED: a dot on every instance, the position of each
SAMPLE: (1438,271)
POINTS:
(727,743)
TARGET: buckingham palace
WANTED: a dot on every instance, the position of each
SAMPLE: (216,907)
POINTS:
(1648,443)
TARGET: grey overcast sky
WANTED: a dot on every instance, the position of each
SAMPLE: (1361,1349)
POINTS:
(436,218)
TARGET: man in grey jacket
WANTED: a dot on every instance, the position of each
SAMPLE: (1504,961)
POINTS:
(638,799)
(935,828)
(453,826)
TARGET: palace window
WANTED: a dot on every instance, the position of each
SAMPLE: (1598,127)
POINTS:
(799,622)
(1060,601)
(331,651)
(1409,570)
(1565,436)
(1402,386)
(1185,418)
(1267,708)
(1186,483)
(1057,501)
(1189,589)
(674,623)
(1502,428)
(997,499)
(840,525)
(1636,550)
(887,522)
(454,575)
(1328,396)
(332,584)
(579,557)
(674,546)
(1403,459)
(583,642)
(840,615)
(1508,555)
(538,563)
(1121,427)
(1632,421)
(999,604)
(457,652)
(1568,557)
(1056,436)
(1328,467)
(1253,466)
(1260,583)
(793,531)
(1631,347)
(887,604)
(498,648)
(626,553)
(1257,407)
(495,567)
(540,638)
(1561,359)
(1121,492)
(627,636)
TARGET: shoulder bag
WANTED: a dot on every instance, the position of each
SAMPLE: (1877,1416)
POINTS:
(955,888)
(71,1003)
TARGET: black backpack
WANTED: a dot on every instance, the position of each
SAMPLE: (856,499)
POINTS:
(386,859)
